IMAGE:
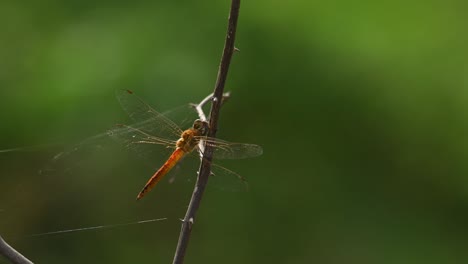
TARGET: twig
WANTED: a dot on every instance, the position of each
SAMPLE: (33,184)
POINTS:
(205,166)
(202,116)
(199,107)
(11,254)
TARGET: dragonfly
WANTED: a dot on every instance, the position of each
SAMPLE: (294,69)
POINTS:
(157,129)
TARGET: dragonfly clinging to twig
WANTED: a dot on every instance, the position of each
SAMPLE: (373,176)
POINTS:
(157,129)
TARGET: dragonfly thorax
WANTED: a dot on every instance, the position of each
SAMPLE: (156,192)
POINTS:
(190,138)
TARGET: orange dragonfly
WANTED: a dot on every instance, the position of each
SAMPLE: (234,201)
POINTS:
(154,128)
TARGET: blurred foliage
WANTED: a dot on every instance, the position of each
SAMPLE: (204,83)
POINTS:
(361,108)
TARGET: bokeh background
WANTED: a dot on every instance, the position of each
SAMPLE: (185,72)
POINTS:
(361,108)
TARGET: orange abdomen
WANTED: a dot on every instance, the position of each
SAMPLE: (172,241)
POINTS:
(171,161)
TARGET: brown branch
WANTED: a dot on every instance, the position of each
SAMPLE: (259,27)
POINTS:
(11,254)
(205,166)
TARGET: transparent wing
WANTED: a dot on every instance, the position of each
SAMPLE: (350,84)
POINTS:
(228,150)
(226,180)
(148,120)
(75,157)
(138,140)
(157,128)
(221,178)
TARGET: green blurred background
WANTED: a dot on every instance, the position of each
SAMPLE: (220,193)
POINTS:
(361,108)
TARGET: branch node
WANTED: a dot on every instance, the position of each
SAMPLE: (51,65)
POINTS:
(226,97)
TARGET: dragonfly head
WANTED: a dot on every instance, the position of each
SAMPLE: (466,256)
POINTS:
(201,127)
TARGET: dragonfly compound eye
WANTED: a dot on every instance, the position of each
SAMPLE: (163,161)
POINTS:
(197,124)
(204,127)
(201,126)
